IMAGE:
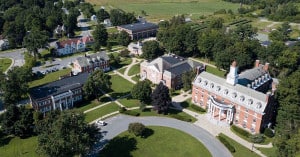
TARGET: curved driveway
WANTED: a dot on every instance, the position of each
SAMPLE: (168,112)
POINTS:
(119,124)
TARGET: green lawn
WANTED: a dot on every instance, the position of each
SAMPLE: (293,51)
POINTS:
(98,113)
(90,104)
(215,71)
(175,143)
(120,86)
(20,147)
(122,70)
(165,9)
(4,64)
(49,78)
(187,105)
(240,151)
(269,152)
(150,112)
(136,78)
(135,69)
(128,102)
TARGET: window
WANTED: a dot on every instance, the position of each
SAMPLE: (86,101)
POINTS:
(258,105)
(211,85)
(226,91)
(234,95)
(205,83)
(218,88)
(254,120)
(242,98)
(250,101)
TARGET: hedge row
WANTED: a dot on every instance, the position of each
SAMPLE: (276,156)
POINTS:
(179,117)
(197,108)
(226,143)
(240,131)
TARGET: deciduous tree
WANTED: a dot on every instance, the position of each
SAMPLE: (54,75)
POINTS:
(66,134)
(100,35)
(142,91)
(34,40)
(102,15)
(124,38)
(151,50)
(97,82)
(161,99)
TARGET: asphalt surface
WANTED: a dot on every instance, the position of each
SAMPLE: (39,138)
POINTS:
(119,124)
(17,55)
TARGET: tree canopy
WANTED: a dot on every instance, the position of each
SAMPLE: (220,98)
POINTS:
(161,99)
(66,134)
(102,15)
(120,17)
(97,82)
(34,40)
(142,91)
(151,50)
(100,36)
(124,38)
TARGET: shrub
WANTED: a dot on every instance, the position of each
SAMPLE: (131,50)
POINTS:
(197,108)
(131,113)
(269,133)
(226,143)
(179,117)
(122,109)
(240,131)
(136,128)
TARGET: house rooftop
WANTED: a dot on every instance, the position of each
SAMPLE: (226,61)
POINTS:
(250,75)
(59,86)
(96,57)
(137,27)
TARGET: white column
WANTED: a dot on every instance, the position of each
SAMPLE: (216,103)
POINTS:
(227,116)
(231,115)
(213,112)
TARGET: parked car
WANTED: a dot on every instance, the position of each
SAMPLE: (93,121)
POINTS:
(101,122)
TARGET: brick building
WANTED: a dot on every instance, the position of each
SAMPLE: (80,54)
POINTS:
(245,100)
(169,69)
(89,63)
(140,30)
(61,94)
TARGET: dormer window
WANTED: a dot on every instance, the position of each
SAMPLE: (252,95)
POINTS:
(250,101)
(199,80)
(205,83)
(242,98)
(218,88)
(234,95)
(211,85)
(258,105)
(226,91)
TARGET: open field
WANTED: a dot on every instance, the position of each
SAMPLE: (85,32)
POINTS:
(165,9)
(269,152)
(4,64)
(98,113)
(20,147)
(175,143)
(135,69)
(120,86)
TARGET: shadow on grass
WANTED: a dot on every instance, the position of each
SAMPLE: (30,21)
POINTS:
(147,132)
(104,99)
(119,147)
(184,104)
(5,140)
(117,95)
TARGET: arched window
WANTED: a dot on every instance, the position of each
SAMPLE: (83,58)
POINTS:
(205,83)
(242,98)
(226,91)
(250,101)
(218,88)
(211,85)
(234,95)
(258,105)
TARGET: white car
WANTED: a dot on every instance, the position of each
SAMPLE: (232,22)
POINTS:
(101,122)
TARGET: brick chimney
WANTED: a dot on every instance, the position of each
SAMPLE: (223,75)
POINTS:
(266,66)
(257,63)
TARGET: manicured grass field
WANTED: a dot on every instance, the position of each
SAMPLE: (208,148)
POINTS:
(240,151)
(175,143)
(136,78)
(165,9)
(49,78)
(120,86)
(90,104)
(4,64)
(269,152)
(266,140)
(128,102)
(122,70)
(20,147)
(98,113)
(135,69)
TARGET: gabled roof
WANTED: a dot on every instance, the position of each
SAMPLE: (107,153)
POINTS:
(250,75)
(88,60)
(137,27)
(87,39)
(63,43)
(59,86)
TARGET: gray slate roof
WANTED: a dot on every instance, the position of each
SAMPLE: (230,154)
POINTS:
(179,69)
(250,75)
(99,56)
(59,86)
(137,27)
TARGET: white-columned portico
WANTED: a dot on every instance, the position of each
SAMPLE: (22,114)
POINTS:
(222,110)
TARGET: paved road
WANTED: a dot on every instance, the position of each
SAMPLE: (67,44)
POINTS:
(17,55)
(119,124)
